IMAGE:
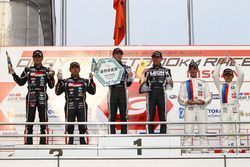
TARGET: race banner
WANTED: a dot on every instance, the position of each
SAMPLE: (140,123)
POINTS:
(176,58)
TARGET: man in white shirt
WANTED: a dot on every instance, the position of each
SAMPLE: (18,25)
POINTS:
(194,94)
(229,92)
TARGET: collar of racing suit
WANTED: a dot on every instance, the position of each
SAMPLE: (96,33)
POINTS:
(38,66)
(119,61)
(157,66)
(75,77)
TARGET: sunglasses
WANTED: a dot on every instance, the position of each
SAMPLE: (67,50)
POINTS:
(37,55)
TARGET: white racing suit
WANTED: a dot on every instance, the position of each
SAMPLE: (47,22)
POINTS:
(195,89)
(229,93)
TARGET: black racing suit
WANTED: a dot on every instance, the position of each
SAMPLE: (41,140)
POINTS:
(118,98)
(75,89)
(38,78)
(156,79)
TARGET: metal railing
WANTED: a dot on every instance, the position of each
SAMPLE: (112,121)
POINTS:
(64,148)
(122,123)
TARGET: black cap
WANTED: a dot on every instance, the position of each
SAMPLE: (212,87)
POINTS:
(157,54)
(228,71)
(37,53)
(192,64)
(74,64)
(117,51)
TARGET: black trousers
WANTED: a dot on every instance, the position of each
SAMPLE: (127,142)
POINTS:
(118,100)
(75,110)
(156,98)
(36,100)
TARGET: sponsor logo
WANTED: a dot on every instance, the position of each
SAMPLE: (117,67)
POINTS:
(20,115)
(7,133)
(157,73)
(245,114)
(244,96)
(37,74)
(15,94)
(215,96)
(52,114)
(15,97)
(181,112)
(75,84)
(173,96)
(215,113)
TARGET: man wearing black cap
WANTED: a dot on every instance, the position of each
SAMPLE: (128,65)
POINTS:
(157,78)
(38,77)
(118,95)
(229,94)
(195,95)
(75,89)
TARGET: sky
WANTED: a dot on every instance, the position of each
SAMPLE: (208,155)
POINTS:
(158,22)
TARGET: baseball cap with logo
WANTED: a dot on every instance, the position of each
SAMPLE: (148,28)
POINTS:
(74,64)
(193,64)
(117,51)
(37,53)
(157,54)
(228,71)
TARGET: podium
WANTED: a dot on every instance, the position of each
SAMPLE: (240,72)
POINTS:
(138,142)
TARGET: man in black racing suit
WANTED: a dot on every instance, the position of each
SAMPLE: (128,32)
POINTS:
(38,77)
(158,79)
(118,95)
(75,89)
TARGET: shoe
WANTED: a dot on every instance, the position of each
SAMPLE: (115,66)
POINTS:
(231,151)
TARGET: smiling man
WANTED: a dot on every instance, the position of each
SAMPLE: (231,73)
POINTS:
(229,94)
(118,94)
(38,77)
(194,94)
(157,79)
(75,89)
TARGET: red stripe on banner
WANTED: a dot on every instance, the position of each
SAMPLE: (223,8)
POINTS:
(5,89)
(3,118)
